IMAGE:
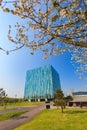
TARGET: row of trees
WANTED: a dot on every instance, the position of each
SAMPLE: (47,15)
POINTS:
(57,26)
(4,99)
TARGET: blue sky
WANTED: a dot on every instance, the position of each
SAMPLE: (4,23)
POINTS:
(13,67)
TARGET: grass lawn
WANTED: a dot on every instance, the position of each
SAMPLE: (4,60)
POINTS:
(7,108)
(10,115)
(71,119)
(13,105)
(26,103)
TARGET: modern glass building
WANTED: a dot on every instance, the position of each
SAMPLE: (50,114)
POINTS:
(41,83)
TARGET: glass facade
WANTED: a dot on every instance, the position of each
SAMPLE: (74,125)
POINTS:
(41,83)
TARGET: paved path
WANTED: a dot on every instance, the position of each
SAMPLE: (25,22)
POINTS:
(17,121)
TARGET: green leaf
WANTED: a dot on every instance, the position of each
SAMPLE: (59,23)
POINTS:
(31,53)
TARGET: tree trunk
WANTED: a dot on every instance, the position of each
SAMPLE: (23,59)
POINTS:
(62,108)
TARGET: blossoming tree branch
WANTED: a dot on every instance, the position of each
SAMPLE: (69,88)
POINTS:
(57,26)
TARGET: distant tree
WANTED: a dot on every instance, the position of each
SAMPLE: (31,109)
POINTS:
(57,26)
(59,99)
(20,100)
(68,98)
(3,97)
